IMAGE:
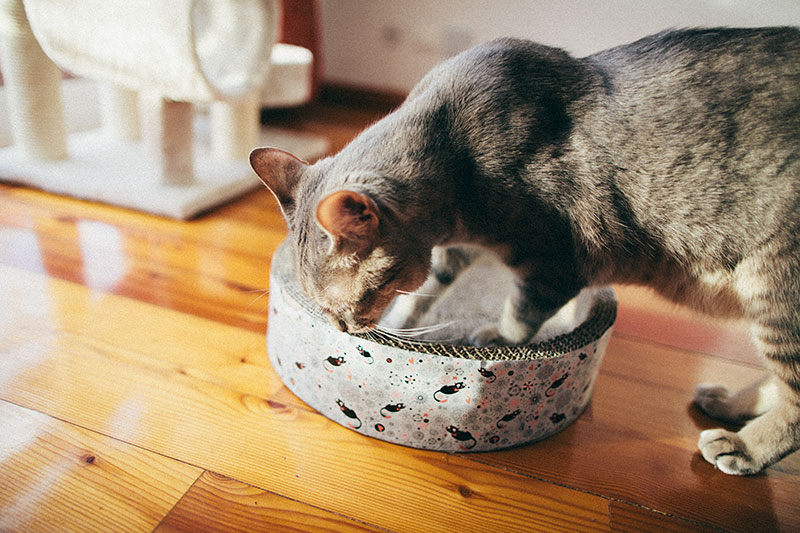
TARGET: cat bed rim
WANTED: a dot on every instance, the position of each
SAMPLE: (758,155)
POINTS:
(601,318)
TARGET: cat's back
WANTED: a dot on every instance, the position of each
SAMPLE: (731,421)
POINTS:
(726,71)
(704,127)
(704,106)
(768,53)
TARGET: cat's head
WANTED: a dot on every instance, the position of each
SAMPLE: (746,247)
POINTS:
(352,255)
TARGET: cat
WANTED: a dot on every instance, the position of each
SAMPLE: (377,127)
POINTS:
(391,408)
(551,390)
(448,390)
(349,413)
(672,162)
(465,437)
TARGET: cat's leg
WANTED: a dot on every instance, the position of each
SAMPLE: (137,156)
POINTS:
(754,400)
(524,312)
(446,265)
(772,300)
(760,443)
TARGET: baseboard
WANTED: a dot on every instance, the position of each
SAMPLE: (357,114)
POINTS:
(352,96)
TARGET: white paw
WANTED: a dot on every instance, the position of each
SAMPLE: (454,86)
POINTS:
(711,399)
(402,313)
(725,450)
(486,336)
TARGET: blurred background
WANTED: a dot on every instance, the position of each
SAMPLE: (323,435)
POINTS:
(389,45)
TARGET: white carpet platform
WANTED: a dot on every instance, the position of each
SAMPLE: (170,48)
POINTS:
(102,168)
(162,117)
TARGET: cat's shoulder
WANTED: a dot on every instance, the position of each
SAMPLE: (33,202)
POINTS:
(500,63)
(510,50)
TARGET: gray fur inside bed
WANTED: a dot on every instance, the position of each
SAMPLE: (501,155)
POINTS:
(476,299)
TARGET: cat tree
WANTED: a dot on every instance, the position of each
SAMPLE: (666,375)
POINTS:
(179,85)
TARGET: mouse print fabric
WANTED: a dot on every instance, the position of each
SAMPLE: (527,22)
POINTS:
(426,400)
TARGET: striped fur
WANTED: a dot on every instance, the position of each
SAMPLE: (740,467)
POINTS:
(672,162)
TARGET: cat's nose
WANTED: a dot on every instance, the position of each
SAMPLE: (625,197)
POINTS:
(338,323)
(346,323)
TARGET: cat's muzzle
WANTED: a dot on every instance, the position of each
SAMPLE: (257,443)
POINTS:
(350,324)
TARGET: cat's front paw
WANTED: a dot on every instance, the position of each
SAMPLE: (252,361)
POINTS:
(492,336)
(486,336)
(726,450)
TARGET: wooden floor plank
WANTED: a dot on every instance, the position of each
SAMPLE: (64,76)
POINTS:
(650,423)
(638,444)
(634,519)
(219,504)
(645,315)
(150,332)
(58,314)
(152,259)
(57,477)
(283,449)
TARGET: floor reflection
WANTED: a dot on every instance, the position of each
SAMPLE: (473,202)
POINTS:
(101,247)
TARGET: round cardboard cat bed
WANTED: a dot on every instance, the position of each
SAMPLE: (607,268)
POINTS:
(433,395)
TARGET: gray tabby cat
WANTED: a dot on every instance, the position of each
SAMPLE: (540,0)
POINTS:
(672,162)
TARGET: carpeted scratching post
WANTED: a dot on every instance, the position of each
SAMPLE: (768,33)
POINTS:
(32,88)
(118,109)
(180,84)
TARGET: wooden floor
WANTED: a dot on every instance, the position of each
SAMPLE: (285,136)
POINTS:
(136,394)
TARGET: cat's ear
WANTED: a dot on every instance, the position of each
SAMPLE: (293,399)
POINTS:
(279,171)
(351,219)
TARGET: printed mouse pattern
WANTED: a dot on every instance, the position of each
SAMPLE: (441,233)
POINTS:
(427,401)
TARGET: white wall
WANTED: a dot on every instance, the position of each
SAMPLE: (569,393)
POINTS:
(390,44)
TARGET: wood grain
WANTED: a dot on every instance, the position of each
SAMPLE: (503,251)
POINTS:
(58,477)
(284,449)
(219,504)
(147,258)
(139,341)
(639,444)
(634,519)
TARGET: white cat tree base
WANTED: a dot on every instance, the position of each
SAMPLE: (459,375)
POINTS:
(168,124)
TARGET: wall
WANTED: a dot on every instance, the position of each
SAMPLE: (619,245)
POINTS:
(389,44)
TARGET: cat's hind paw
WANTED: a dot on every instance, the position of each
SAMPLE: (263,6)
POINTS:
(726,451)
(712,400)
(754,400)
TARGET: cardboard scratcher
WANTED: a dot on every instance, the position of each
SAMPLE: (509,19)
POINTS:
(436,395)
(177,87)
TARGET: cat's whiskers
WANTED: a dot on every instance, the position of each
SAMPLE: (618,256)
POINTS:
(382,337)
(423,295)
(416,330)
(264,292)
(372,336)
(413,334)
